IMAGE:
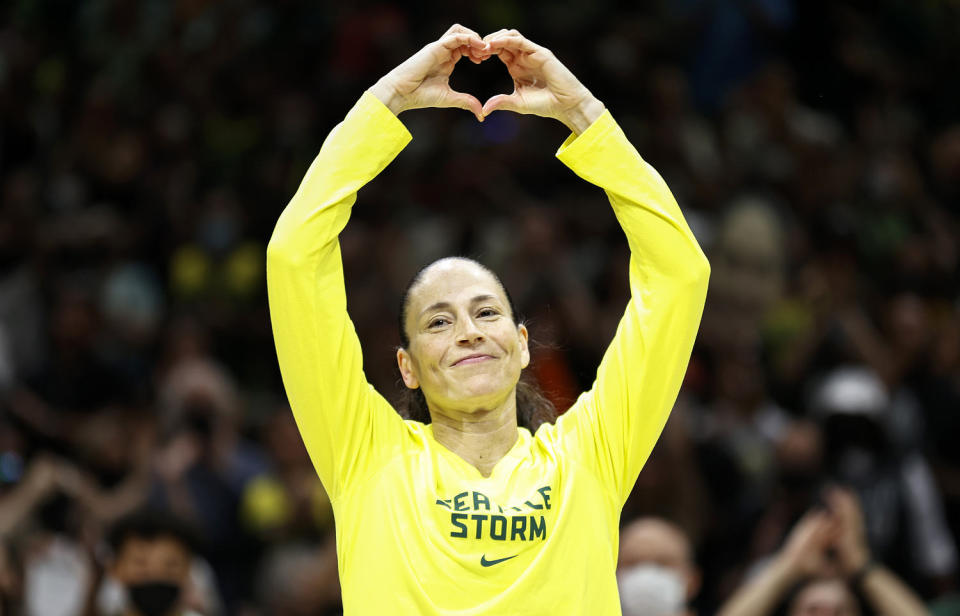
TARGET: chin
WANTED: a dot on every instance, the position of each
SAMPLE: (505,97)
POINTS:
(482,393)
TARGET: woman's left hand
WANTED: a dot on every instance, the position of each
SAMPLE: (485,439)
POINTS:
(543,86)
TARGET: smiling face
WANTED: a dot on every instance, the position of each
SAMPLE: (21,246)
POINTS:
(465,351)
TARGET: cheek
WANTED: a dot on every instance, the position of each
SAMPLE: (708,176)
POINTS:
(428,354)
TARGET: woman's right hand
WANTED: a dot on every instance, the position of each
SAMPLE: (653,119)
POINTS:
(423,80)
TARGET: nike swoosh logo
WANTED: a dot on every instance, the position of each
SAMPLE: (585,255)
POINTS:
(489,563)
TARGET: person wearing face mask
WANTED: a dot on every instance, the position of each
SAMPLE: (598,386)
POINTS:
(477,502)
(656,573)
(150,572)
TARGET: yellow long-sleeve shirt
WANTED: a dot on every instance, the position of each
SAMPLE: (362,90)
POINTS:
(419,530)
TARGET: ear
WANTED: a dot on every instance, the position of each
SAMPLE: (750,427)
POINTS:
(524,337)
(405,363)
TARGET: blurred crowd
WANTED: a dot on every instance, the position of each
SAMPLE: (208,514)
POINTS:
(147,455)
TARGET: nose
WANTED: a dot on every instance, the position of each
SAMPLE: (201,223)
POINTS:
(468,334)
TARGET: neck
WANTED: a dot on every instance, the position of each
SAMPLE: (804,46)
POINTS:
(482,436)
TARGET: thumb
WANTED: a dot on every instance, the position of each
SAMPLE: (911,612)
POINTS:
(505,102)
(465,101)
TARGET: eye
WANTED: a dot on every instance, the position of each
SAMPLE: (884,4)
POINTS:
(487,312)
(437,322)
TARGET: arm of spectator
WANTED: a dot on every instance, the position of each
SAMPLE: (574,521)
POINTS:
(37,484)
(106,506)
(803,555)
(888,595)
(885,592)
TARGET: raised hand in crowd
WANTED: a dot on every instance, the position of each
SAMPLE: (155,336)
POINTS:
(885,592)
(48,475)
(39,482)
(850,536)
(826,558)
(803,555)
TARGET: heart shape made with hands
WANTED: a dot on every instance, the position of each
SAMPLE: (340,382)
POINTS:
(484,81)
(541,84)
(525,63)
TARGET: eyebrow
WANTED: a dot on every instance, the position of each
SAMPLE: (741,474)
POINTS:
(447,305)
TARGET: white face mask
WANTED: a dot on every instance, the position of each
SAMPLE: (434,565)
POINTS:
(56,579)
(651,590)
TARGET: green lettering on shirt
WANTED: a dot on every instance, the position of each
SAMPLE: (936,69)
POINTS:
(538,530)
(457,520)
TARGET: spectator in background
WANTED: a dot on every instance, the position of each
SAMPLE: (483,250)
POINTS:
(52,521)
(824,596)
(45,568)
(826,559)
(52,527)
(300,580)
(150,573)
(205,464)
(871,445)
(656,572)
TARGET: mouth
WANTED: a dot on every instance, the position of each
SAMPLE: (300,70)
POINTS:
(472,359)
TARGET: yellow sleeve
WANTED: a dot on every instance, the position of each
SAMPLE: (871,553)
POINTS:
(348,428)
(614,426)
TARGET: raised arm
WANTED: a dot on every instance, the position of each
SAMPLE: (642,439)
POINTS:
(348,428)
(621,417)
(828,545)
(884,591)
(802,556)
(615,425)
